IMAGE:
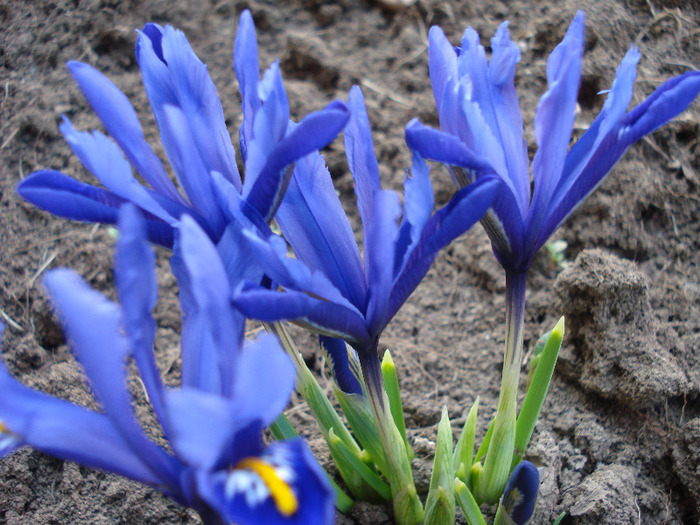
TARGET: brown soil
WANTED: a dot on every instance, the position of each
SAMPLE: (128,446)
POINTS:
(620,432)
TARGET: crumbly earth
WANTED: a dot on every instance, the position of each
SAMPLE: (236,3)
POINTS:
(620,433)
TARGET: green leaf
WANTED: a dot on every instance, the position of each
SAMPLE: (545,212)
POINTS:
(469,505)
(282,429)
(391,385)
(464,451)
(534,398)
(440,505)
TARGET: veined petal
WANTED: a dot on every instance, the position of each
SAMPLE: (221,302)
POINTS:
(315,131)
(465,208)
(380,247)
(668,101)
(316,314)
(442,59)
(192,173)
(264,381)
(554,119)
(69,432)
(359,150)
(293,274)
(212,329)
(270,125)
(245,62)
(104,160)
(201,106)
(138,291)
(92,325)
(315,225)
(443,147)
(120,121)
(284,485)
(66,197)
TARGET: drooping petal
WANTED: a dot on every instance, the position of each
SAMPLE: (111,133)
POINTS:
(201,106)
(315,225)
(105,161)
(92,325)
(362,161)
(554,119)
(320,316)
(314,132)
(380,245)
(668,101)
(212,331)
(138,291)
(284,485)
(465,208)
(69,432)
(245,62)
(120,121)
(520,494)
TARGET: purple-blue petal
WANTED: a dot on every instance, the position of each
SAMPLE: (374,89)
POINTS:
(336,353)
(315,225)
(120,121)
(245,63)
(442,59)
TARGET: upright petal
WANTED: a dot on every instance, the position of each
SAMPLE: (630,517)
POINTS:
(442,59)
(120,121)
(362,160)
(212,330)
(554,119)
(315,225)
(245,62)
(201,105)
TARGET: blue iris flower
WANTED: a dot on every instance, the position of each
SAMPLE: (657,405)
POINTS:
(328,287)
(482,132)
(217,463)
(520,494)
(194,136)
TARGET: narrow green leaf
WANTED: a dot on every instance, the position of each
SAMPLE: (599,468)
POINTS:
(353,464)
(391,385)
(559,518)
(469,505)
(464,451)
(534,398)
(440,505)
(282,429)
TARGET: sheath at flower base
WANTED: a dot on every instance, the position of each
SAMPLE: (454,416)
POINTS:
(219,464)
(194,136)
(482,135)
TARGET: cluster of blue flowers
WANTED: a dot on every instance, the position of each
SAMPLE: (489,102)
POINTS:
(230,264)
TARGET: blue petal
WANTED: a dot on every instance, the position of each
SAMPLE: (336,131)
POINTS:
(92,324)
(138,291)
(104,160)
(70,432)
(242,496)
(264,381)
(520,494)
(201,106)
(554,119)
(320,316)
(442,59)
(336,353)
(245,62)
(668,101)
(59,194)
(380,246)
(315,131)
(362,161)
(212,330)
(121,122)
(465,208)
(315,225)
